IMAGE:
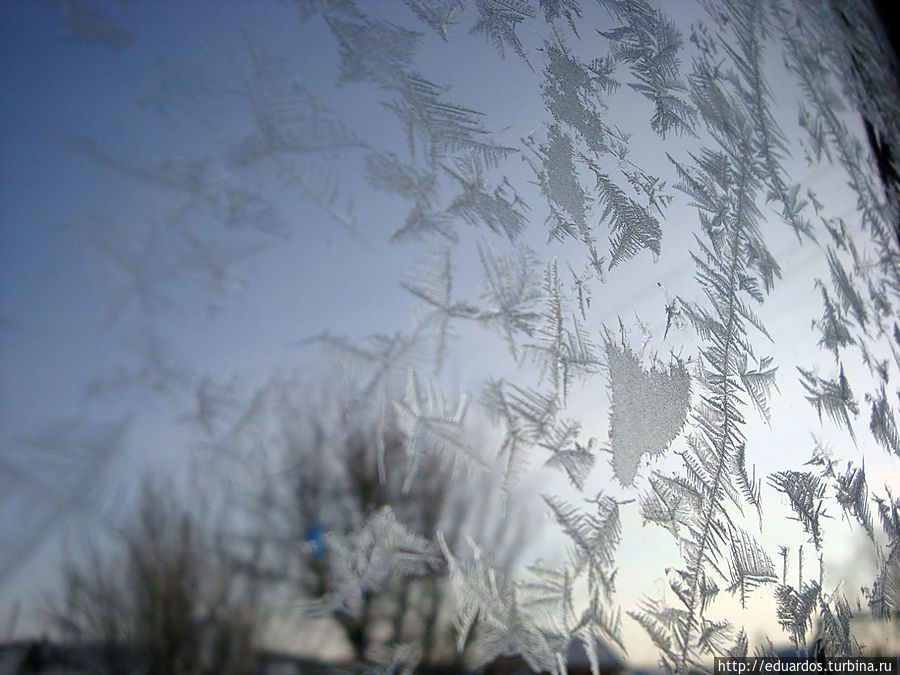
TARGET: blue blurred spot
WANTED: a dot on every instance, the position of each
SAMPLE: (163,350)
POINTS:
(314,537)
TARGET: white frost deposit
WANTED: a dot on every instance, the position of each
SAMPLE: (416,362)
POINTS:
(649,407)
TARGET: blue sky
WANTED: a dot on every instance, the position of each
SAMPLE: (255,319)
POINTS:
(98,268)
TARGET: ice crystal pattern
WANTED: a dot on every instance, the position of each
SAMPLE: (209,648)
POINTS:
(527,233)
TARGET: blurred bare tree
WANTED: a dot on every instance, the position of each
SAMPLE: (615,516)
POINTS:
(165,598)
(330,485)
